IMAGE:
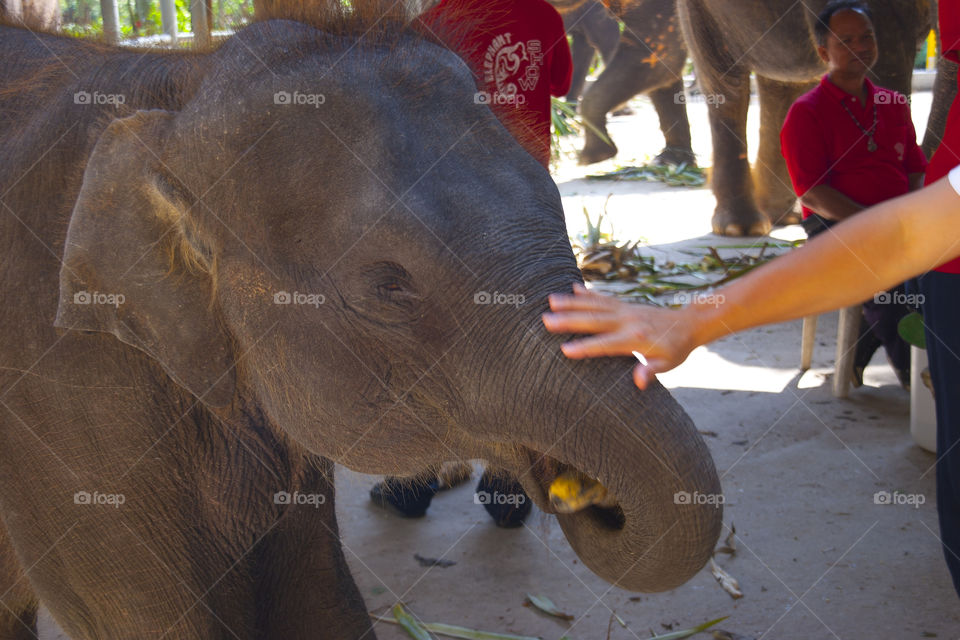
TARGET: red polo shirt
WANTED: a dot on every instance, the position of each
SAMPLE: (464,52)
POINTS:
(947,155)
(519,53)
(823,145)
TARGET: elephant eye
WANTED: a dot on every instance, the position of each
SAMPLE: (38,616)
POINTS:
(393,284)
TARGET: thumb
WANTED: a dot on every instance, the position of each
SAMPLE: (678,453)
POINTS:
(646,374)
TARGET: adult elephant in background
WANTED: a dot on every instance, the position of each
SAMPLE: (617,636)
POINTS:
(728,40)
(195,334)
(649,59)
(592,29)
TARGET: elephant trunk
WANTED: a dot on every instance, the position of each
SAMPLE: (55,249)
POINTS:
(658,520)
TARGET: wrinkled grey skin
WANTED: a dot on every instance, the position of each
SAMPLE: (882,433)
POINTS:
(198,397)
(730,38)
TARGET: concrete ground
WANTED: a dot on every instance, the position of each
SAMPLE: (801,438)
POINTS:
(816,556)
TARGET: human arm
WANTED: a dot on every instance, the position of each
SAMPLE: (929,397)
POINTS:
(829,203)
(916,181)
(808,161)
(833,270)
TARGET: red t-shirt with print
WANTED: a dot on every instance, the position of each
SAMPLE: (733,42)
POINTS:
(518,51)
(823,142)
(947,155)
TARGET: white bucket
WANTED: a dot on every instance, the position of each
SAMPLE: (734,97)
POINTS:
(923,414)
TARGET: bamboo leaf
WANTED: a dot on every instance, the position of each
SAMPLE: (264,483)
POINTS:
(686,633)
(545,604)
(409,624)
(453,631)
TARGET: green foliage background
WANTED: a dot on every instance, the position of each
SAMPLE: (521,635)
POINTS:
(142,17)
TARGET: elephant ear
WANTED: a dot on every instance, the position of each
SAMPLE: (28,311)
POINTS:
(134,267)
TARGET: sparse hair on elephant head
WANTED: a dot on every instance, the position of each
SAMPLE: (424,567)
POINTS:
(822,26)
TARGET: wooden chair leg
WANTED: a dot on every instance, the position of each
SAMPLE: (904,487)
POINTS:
(847,334)
(807,342)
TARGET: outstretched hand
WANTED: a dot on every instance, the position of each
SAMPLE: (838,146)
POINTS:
(664,337)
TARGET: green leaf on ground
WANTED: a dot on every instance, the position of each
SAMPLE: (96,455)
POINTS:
(410,624)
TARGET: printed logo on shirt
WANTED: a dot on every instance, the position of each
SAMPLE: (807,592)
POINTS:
(511,67)
(899,148)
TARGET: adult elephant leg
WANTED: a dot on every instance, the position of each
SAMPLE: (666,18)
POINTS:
(305,584)
(627,75)
(583,53)
(775,195)
(18,604)
(602,30)
(674,125)
(737,213)
(944,91)
(726,83)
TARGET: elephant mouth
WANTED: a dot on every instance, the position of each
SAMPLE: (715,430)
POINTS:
(564,490)
(628,528)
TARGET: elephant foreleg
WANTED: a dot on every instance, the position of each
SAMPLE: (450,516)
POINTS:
(304,583)
(775,196)
(583,53)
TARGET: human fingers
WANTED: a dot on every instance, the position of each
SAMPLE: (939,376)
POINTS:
(605,344)
(583,300)
(579,322)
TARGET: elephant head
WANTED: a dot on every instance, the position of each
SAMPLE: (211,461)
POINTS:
(335,231)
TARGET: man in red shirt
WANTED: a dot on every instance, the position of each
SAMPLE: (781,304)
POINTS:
(518,52)
(850,145)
